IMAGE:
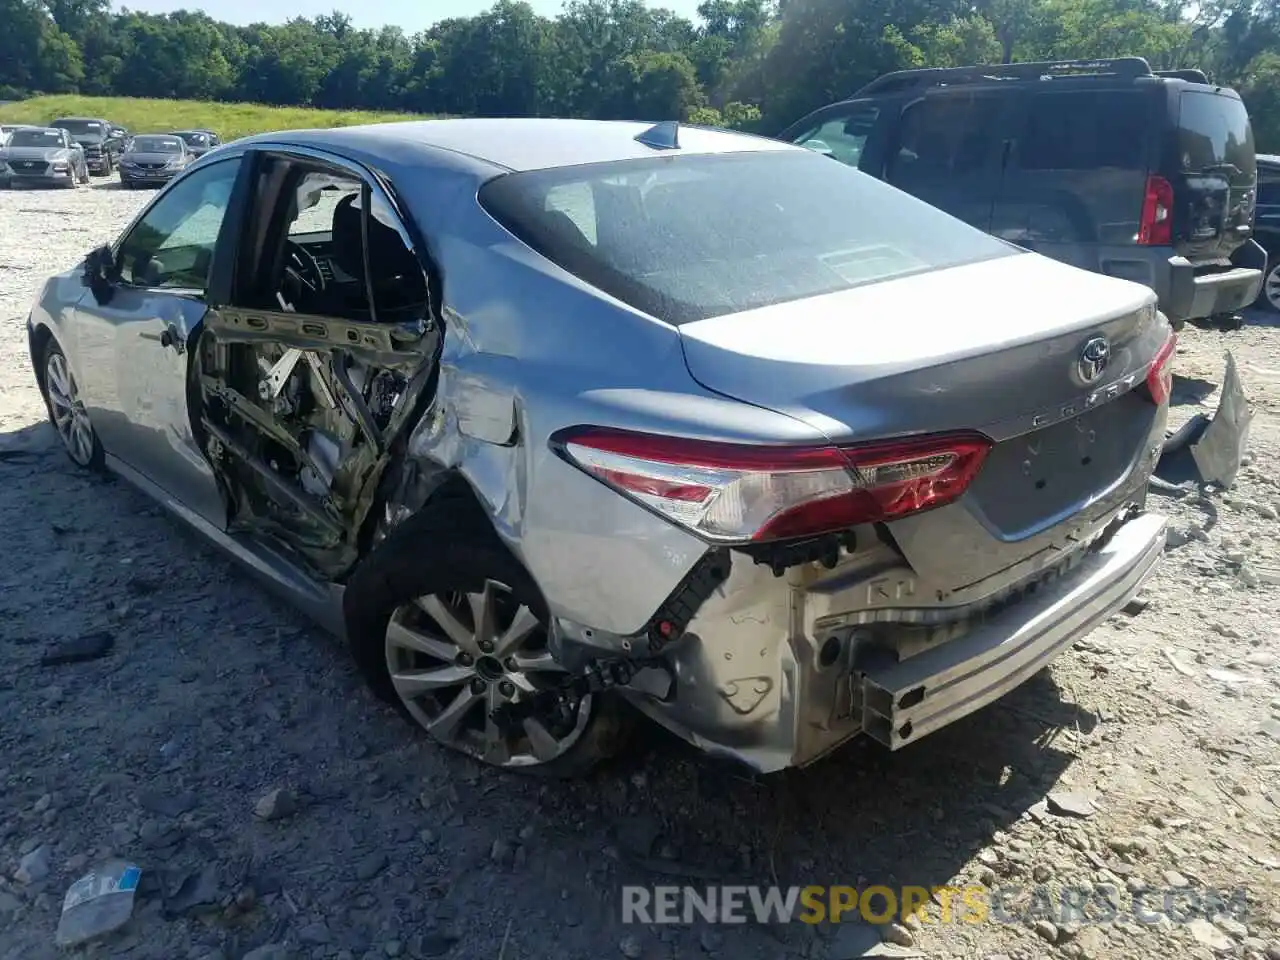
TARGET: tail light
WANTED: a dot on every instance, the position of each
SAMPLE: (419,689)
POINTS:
(733,492)
(1160,373)
(1155,229)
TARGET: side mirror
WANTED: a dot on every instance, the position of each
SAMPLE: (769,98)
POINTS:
(100,273)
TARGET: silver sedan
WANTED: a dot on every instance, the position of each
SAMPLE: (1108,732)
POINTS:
(549,417)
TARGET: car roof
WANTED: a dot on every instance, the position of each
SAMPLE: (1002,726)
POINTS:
(1269,158)
(524,143)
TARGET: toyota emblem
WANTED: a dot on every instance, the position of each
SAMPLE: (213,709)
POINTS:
(1094,358)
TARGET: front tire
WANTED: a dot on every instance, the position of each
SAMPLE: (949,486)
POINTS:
(446,625)
(67,414)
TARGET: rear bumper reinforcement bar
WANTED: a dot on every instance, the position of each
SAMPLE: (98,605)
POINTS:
(907,700)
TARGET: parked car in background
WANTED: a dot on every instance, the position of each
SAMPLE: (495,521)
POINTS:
(1267,227)
(101,148)
(42,157)
(5,130)
(199,142)
(153,159)
(1102,164)
(843,464)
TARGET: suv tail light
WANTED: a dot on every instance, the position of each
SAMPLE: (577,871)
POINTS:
(1155,229)
(732,492)
(1160,373)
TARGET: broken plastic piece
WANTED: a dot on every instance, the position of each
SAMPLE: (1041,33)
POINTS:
(98,903)
(1219,451)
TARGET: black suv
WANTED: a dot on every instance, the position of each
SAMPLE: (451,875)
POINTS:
(1267,227)
(1103,164)
(100,139)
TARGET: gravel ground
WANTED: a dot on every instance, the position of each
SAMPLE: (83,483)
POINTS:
(1167,720)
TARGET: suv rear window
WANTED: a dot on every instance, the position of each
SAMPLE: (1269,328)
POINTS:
(1214,130)
(1085,130)
(1269,184)
(945,136)
(687,238)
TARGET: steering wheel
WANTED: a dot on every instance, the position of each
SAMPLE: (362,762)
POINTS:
(301,267)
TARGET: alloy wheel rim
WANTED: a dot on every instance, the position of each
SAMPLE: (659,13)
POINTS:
(1271,286)
(70,418)
(454,658)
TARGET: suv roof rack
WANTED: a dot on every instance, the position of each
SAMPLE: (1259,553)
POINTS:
(1126,68)
(1190,75)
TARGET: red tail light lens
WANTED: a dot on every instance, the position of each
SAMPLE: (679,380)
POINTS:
(1160,373)
(1155,229)
(732,492)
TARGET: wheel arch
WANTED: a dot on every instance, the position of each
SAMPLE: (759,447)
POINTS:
(423,489)
(39,335)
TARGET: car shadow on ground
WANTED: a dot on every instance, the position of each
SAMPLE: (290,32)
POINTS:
(660,814)
(1190,390)
(1262,317)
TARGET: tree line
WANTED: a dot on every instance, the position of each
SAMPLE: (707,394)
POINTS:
(751,64)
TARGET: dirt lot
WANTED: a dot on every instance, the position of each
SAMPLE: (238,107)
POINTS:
(213,695)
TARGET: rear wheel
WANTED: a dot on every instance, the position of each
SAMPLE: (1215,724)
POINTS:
(1271,283)
(448,627)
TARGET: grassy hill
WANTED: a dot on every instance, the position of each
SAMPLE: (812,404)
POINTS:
(229,120)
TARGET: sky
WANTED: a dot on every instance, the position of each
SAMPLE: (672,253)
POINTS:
(411,17)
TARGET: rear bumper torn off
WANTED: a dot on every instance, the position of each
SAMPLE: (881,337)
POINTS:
(907,700)
(771,671)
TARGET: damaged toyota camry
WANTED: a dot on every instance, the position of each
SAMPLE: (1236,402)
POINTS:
(558,423)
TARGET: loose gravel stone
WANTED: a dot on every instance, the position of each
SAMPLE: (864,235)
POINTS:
(1045,930)
(276,805)
(34,866)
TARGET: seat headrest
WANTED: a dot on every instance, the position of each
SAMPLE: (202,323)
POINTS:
(388,256)
(346,242)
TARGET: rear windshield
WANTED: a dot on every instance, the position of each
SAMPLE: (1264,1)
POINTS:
(1214,135)
(156,145)
(79,126)
(35,138)
(194,139)
(687,238)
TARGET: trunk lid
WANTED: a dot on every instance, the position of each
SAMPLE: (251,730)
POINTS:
(1214,176)
(995,347)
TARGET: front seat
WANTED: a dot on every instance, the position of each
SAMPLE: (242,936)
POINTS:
(397,277)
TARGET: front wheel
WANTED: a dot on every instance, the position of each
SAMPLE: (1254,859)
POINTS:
(67,412)
(1271,283)
(447,626)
